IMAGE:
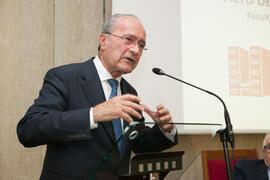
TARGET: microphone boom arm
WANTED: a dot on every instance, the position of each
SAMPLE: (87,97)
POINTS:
(226,113)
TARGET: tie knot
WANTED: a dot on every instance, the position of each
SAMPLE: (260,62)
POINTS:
(113,83)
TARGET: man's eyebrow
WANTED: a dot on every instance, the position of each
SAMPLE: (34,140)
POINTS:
(267,146)
(136,37)
(142,41)
(132,35)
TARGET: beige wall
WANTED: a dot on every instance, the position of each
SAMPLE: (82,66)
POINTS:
(36,35)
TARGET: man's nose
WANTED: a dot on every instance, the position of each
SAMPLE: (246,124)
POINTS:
(134,47)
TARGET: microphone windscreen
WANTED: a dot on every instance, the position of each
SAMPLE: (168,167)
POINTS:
(156,71)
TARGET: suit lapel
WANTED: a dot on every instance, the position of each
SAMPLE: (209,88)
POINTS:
(262,172)
(124,90)
(92,86)
(93,89)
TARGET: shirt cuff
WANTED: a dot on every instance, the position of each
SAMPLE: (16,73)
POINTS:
(170,135)
(93,125)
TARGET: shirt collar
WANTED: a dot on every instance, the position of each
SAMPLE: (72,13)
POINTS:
(103,73)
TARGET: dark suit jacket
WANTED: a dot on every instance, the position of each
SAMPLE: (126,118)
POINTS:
(249,169)
(59,118)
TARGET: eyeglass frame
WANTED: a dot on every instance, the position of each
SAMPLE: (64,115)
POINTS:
(128,35)
(266,147)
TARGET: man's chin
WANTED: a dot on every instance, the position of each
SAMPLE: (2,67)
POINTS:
(126,70)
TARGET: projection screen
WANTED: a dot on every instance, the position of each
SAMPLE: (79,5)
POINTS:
(219,45)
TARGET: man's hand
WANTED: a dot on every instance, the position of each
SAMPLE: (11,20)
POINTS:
(118,107)
(161,115)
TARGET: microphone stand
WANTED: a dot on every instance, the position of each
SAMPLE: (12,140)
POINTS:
(226,135)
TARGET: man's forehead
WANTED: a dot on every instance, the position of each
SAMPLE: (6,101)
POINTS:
(129,25)
(126,19)
(267,142)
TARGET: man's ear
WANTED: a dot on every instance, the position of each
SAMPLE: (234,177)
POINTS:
(102,41)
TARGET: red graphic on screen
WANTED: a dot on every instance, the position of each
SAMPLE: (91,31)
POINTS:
(249,71)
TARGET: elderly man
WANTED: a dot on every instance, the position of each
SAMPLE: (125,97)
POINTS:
(259,169)
(82,109)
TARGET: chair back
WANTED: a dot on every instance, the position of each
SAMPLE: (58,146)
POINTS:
(213,162)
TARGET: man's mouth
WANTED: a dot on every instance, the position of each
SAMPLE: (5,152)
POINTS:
(130,59)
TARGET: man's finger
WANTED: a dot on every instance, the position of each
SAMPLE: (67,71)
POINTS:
(166,118)
(126,117)
(133,105)
(159,107)
(131,111)
(130,97)
(148,110)
(162,112)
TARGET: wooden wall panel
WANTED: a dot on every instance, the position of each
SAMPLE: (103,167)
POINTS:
(36,35)
(26,52)
(77,26)
(108,9)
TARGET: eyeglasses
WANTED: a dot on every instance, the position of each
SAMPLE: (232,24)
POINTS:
(267,147)
(130,39)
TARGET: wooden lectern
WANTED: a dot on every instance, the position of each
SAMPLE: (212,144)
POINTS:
(143,165)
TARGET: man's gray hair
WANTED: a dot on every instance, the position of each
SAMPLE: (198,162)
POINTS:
(109,24)
(267,135)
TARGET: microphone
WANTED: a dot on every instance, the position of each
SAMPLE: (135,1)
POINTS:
(229,128)
(158,71)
